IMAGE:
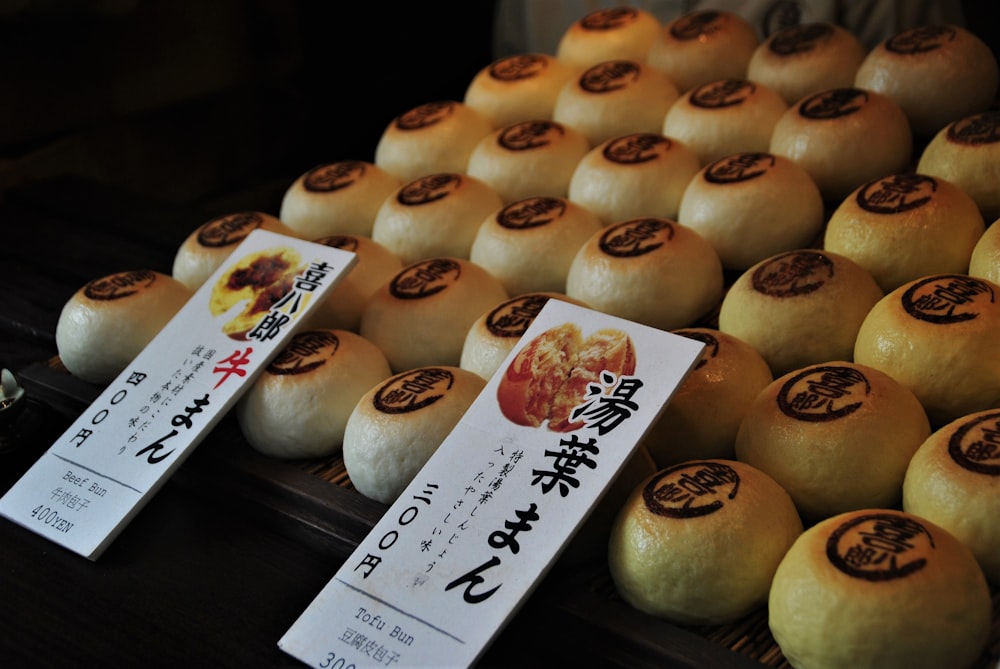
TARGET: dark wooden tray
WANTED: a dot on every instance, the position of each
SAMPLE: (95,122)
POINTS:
(314,501)
(95,230)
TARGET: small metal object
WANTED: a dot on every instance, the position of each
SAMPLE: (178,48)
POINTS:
(11,397)
(17,417)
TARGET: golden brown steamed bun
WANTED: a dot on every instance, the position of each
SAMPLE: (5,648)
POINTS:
(517,88)
(953,480)
(528,245)
(105,324)
(808,58)
(837,436)
(434,215)
(608,34)
(750,206)
(724,117)
(844,137)
(421,316)
(879,589)
(591,541)
(339,198)
(298,407)
(398,424)
(904,226)
(494,334)
(703,46)
(705,412)
(967,153)
(799,308)
(529,159)
(985,260)
(204,250)
(375,266)
(939,336)
(650,270)
(936,73)
(633,176)
(430,138)
(615,97)
(673,547)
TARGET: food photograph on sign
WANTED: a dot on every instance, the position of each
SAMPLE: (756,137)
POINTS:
(560,377)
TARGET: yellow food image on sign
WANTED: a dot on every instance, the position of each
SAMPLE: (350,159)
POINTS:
(258,281)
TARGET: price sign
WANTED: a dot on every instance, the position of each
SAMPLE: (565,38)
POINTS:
(466,542)
(97,476)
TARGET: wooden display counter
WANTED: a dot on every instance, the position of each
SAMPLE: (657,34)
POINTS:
(218,566)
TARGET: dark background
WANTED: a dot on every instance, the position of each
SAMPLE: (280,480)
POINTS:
(134,121)
(126,124)
(186,101)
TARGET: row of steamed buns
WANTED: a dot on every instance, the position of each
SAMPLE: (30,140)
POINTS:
(544,206)
(638,225)
(765,198)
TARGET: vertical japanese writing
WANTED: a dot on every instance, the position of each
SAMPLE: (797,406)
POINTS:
(609,403)
(183,419)
(284,310)
(163,394)
(102,412)
(233,363)
(370,561)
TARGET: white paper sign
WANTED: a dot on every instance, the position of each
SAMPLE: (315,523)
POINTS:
(93,480)
(455,556)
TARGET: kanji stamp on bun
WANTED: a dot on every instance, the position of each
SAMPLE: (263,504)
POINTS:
(338,198)
(671,546)
(966,152)
(207,247)
(844,137)
(398,424)
(937,73)
(298,407)
(807,58)
(495,334)
(529,159)
(879,588)
(614,32)
(939,336)
(799,308)
(421,316)
(429,138)
(108,322)
(753,205)
(726,116)
(518,88)
(434,215)
(550,376)
(702,46)
(901,227)
(614,98)
(529,245)
(649,270)
(954,480)
(837,436)
(632,176)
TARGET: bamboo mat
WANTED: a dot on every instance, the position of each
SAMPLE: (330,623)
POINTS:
(750,636)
